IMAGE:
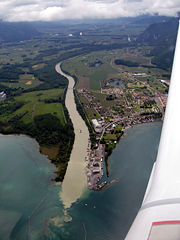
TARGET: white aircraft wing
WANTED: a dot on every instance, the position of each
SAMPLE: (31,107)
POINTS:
(159,216)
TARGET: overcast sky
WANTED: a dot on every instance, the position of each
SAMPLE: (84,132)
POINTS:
(50,10)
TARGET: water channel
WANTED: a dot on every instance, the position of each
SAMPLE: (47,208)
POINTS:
(75,180)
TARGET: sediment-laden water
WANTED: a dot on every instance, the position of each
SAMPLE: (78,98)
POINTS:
(75,181)
(30,207)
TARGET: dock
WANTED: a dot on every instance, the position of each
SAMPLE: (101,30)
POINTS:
(94,169)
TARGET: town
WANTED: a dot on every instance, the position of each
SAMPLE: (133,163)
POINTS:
(112,111)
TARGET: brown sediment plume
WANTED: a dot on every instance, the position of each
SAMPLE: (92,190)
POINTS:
(75,181)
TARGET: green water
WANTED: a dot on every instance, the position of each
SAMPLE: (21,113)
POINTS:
(30,207)
(27,196)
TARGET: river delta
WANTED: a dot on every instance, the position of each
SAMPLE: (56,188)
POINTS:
(34,208)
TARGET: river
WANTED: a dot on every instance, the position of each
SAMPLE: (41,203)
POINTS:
(75,181)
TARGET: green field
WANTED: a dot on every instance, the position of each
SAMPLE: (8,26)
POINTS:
(110,137)
(99,97)
(34,105)
(25,81)
(85,67)
(82,66)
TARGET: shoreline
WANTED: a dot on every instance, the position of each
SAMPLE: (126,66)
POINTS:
(101,186)
(38,147)
(94,169)
(124,134)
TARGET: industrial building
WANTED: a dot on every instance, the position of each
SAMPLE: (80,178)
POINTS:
(2,96)
(97,126)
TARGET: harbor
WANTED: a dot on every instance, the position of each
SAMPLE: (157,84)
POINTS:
(94,169)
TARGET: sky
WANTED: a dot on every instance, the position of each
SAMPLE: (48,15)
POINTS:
(53,10)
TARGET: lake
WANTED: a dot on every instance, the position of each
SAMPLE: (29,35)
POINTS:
(30,203)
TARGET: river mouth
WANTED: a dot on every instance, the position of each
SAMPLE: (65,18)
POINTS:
(75,180)
(27,190)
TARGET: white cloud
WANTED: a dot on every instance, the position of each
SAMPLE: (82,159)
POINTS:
(49,10)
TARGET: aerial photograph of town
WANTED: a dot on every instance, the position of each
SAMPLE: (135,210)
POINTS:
(89,120)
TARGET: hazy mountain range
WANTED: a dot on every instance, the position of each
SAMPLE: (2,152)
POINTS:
(12,32)
(163,37)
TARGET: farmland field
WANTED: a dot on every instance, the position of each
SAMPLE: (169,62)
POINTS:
(34,105)
(95,69)
(25,81)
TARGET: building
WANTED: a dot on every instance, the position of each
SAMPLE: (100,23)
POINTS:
(97,126)
(165,81)
(96,171)
(2,96)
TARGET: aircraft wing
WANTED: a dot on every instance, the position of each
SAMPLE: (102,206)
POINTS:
(159,216)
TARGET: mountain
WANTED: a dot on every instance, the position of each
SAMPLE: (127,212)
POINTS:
(163,37)
(12,32)
(160,33)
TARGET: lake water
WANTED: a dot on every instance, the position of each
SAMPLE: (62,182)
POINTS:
(30,207)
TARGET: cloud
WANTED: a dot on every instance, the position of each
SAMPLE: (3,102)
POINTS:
(51,10)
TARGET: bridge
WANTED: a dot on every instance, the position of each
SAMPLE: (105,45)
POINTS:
(159,216)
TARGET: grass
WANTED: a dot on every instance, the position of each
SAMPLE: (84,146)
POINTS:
(26,77)
(100,74)
(16,54)
(34,105)
(50,151)
(135,86)
(102,99)
(110,137)
(90,112)
(21,84)
(81,66)
(118,128)
(157,85)
(25,81)
(38,66)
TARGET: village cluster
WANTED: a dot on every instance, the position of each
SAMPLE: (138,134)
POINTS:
(136,108)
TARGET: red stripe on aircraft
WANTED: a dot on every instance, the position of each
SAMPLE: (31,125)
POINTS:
(166,222)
